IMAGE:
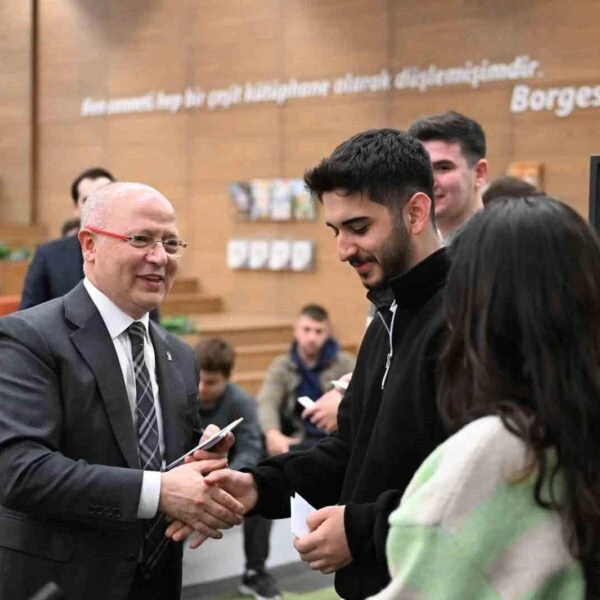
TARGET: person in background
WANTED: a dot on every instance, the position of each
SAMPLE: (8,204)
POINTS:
(509,506)
(70,227)
(457,148)
(57,265)
(221,402)
(96,401)
(509,187)
(313,362)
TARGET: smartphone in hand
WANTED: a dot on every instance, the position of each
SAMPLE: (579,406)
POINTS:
(212,441)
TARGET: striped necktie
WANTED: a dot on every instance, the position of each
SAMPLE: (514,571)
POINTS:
(155,542)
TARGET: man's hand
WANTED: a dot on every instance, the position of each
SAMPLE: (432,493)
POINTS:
(325,548)
(277,443)
(218,451)
(323,413)
(238,485)
(185,496)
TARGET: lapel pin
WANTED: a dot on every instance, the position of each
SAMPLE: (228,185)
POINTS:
(169,357)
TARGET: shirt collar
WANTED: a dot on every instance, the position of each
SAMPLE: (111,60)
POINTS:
(114,318)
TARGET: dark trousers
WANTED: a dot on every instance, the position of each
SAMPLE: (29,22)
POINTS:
(164,584)
(257,530)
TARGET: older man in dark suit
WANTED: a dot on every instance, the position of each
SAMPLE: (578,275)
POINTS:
(57,266)
(95,401)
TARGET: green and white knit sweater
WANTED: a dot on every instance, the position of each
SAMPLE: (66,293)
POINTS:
(468,527)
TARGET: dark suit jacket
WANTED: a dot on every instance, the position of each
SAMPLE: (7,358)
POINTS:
(56,268)
(69,474)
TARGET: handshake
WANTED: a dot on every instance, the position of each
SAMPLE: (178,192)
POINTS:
(203,496)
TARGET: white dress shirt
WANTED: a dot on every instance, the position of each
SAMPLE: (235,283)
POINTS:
(117,323)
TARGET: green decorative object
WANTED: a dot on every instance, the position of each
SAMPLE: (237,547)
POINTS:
(8,253)
(20,254)
(5,251)
(179,324)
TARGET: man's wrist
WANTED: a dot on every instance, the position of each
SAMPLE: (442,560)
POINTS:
(149,495)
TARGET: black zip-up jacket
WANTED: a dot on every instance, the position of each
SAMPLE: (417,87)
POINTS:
(383,434)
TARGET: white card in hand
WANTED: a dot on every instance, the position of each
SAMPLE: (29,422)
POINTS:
(340,384)
(300,509)
(305,401)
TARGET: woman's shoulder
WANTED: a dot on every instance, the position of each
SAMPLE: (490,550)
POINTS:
(486,442)
(476,462)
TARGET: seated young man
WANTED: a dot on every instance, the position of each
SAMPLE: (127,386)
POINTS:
(307,369)
(221,402)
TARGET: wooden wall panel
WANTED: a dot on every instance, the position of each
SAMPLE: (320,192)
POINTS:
(15,111)
(119,48)
(325,38)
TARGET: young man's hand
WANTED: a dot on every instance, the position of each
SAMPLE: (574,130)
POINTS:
(323,413)
(185,496)
(240,486)
(325,548)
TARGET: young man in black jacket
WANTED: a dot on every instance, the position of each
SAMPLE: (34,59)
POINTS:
(377,190)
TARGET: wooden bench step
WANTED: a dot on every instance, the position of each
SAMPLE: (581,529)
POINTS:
(185,285)
(12,276)
(249,380)
(256,357)
(241,329)
(185,304)
(23,236)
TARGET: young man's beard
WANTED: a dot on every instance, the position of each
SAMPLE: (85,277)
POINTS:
(394,256)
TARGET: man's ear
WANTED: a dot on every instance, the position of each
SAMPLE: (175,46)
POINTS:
(481,172)
(417,213)
(88,244)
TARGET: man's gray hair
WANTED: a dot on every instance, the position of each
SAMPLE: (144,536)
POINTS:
(95,209)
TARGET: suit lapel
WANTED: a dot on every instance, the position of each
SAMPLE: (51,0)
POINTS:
(172,391)
(95,346)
